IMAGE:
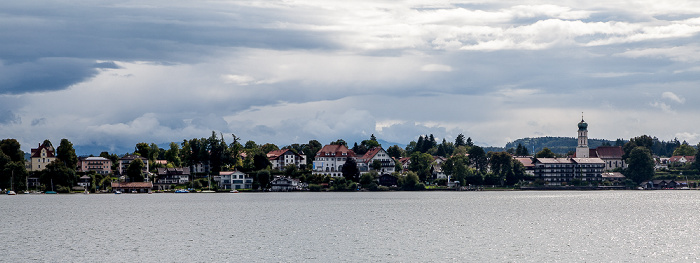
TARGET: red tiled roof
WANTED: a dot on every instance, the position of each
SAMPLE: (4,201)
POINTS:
(36,152)
(526,161)
(371,153)
(277,153)
(614,152)
(335,150)
(674,159)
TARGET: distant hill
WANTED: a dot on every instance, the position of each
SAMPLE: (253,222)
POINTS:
(558,145)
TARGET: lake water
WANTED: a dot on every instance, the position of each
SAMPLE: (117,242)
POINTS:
(519,226)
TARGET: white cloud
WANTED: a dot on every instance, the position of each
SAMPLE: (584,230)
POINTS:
(672,96)
(663,106)
(436,67)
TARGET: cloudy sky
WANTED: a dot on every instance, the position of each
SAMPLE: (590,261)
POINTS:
(109,74)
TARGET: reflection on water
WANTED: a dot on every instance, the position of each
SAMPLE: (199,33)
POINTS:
(627,226)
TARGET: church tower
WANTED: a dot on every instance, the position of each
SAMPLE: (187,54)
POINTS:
(582,148)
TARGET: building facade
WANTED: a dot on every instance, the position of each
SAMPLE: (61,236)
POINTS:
(365,163)
(281,158)
(330,160)
(41,156)
(582,150)
(561,171)
(234,180)
(126,160)
(99,165)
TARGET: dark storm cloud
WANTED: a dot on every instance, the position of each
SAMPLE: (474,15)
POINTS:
(9,117)
(52,45)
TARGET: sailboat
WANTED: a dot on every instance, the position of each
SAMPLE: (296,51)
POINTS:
(12,187)
(209,186)
(52,191)
(26,184)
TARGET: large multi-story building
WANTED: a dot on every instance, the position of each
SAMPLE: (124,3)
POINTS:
(126,160)
(41,156)
(99,165)
(560,171)
(330,160)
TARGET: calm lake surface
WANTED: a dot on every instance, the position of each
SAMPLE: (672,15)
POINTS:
(519,226)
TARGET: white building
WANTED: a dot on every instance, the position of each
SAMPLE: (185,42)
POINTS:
(582,150)
(281,158)
(234,180)
(330,160)
(365,162)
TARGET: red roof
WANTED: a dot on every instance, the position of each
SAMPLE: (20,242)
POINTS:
(36,153)
(277,153)
(674,159)
(613,152)
(526,161)
(335,150)
(371,153)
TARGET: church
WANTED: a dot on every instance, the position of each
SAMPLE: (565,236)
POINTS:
(562,171)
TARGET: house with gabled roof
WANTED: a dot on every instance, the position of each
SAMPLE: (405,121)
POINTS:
(330,160)
(681,159)
(281,158)
(41,156)
(376,154)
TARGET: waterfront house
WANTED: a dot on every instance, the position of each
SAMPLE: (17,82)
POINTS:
(131,187)
(378,154)
(97,164)
(41,156)
(234,180)
(561,171)
(387,180)
(172,176)
(126,160)
(284,184)
(528,163)
(281,158)
(613,177)
(85,181)
(330,160)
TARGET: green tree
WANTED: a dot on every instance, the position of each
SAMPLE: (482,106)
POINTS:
(501,164)
(66,154)
(153,152)
(264,178)
(134,171)
(11,148)
(459,141)
(260,160)
(350,170)
(57,173)
(640,165)
(421,164)
(368,178)
(521,150)
(172,155)
(377,165)
(249,145)
(394,151)
(339,142)
(268,147)
(142,149)
(477,159)
(684,150)
(545,153)
(411,182)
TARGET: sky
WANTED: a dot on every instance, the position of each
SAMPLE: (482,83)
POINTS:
(109,74)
